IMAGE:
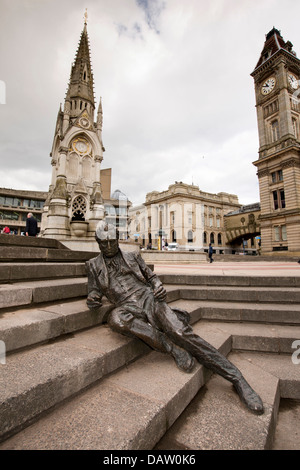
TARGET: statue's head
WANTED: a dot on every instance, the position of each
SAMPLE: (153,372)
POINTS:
(107,237)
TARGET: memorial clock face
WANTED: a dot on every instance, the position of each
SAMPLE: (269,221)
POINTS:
(268,86)
(293,81)
(81,146)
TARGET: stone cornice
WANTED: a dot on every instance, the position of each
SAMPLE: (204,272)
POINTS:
(280,213)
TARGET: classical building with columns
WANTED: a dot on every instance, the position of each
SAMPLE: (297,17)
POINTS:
(75,203)
(276,79)
(186,215)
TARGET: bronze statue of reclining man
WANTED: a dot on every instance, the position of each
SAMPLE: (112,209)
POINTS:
(141,311)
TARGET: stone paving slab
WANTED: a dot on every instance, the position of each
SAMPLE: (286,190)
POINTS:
(267,268)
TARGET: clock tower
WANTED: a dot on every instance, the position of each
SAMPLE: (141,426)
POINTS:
(74,204)
(276,80)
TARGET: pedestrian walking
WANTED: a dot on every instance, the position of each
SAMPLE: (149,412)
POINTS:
(210,253)
(31,226)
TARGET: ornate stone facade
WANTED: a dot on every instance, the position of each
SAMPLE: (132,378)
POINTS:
(276,77)
(75,204)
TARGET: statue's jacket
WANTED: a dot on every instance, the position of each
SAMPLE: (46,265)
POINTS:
(98,278)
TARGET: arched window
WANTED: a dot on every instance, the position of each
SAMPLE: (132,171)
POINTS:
(212,238)
(204,238)
(190,236)
(79,208)
(219,239)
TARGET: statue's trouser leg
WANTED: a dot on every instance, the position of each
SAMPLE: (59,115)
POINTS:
(182,334)
(125,322)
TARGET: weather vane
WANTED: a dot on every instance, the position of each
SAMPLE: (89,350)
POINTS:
(85,16)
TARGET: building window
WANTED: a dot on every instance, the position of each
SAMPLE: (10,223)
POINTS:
(275,131)
(219,239)
(283,233)
(174,236)
(277,176)
(190,236)
(279,199)
(212,238)
(295,127)
(280,233)
(204,238)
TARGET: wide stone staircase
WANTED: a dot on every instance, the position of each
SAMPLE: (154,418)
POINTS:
(69,382)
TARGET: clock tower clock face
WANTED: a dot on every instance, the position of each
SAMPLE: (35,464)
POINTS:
(293,81)
(268,86)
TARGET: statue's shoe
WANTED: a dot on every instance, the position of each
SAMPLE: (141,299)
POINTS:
(183,358)
(248,396)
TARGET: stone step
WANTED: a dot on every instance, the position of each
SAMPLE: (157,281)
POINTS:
(14,272)
(230,280)
(134,407)
(34,292)
(34,380)
(283,314)
(36,253)
(266,338)
(21,328)
(129,409)
(286,295)
(18,240)
(214,419)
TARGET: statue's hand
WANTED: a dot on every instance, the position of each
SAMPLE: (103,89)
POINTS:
(160,293)
(94,302)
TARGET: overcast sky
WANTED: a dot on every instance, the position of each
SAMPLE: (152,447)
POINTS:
(174,77)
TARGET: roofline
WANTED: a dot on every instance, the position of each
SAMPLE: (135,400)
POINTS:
(290,55)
